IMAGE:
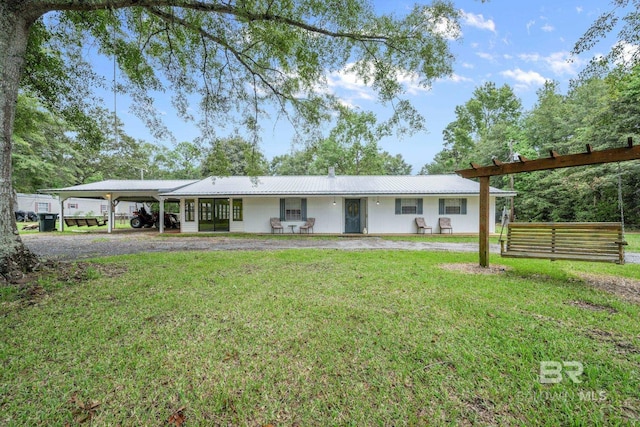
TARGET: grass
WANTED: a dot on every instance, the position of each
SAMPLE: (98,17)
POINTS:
(319,337)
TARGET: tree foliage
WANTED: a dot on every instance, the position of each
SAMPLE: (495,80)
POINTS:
(239,57)
(601,112)
(622,16)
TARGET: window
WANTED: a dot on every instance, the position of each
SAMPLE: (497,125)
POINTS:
(72,206)
(409,206)
(43,207)
(237,209)
(453,207)
(189,210)
(293,209)
(103,208)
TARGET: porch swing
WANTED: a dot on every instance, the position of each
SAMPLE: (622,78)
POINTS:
(579,241)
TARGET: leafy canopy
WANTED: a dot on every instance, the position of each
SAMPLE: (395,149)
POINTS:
(236,57)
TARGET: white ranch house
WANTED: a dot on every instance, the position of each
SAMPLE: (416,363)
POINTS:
(339,204)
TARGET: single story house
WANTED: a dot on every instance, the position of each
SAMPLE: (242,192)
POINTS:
(340,204)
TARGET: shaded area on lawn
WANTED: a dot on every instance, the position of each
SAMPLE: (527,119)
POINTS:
(313,337)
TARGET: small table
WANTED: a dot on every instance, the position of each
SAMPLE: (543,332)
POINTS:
(291,226)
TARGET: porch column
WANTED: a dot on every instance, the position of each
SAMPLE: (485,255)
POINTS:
(484,221)
(161,214)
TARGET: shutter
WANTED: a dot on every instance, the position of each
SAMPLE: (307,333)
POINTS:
(282,210)
(463,206)
(419,206)
(441,208)
(398,206)
(303,208)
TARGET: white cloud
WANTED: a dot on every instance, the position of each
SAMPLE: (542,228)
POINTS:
(477,21)
(350,88)
(579,9)
(524,79)
(529,25)
(547,28)
(411,82)
(557,62)
(529,57)
(456,78)
(344,80)
(487,56)
(627,53)
(445,27)
(467,65)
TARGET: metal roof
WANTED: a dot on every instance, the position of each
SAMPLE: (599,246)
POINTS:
(124,185)
(333,185)
(126,190)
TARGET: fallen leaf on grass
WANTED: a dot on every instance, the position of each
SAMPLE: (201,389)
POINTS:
(178,418)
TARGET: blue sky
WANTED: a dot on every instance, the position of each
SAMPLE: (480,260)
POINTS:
(520,43)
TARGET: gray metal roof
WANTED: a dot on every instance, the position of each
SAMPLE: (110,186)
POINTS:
(116,185)
(337,185)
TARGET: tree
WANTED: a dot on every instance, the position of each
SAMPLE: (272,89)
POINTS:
(481,131)
(625,52)
(234,156)
(183,162)
(40,148)
(238,55)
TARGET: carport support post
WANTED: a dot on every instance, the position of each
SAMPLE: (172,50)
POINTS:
(161,214)
(484,221)
(110,212)
(61,219)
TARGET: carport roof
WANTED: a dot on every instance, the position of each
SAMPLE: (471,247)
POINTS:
(134,190)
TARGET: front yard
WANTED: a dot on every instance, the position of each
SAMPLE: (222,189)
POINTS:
(322,337)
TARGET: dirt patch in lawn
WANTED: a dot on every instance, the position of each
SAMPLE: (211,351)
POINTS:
(624,287)
(31,289)
(472,268)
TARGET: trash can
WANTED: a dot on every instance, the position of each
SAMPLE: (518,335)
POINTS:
(47,221)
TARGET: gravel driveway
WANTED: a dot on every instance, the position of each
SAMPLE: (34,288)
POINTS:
(68,247)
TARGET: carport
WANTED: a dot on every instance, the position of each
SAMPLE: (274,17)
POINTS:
(114,191)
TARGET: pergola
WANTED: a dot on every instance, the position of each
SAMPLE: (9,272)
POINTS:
(554,161)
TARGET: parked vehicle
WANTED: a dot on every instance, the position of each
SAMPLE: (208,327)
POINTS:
(141,218)
(22,216)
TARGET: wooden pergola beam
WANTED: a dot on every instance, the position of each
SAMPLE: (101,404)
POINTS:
(555,161)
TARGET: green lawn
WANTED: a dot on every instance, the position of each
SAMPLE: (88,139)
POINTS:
(319,337)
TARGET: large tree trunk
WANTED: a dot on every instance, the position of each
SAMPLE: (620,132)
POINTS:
(15,259)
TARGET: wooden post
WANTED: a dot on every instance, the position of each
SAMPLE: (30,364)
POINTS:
(484,221)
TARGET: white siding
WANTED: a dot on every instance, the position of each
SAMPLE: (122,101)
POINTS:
(383,219)
(188,226)
(377,218)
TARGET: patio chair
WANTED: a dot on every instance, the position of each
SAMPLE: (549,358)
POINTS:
(308,225)
(422,226)
(445,224)
(276,225)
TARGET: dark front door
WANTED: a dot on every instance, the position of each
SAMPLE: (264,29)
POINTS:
(221,210)
(213,215)
(352,216)
(205,215)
